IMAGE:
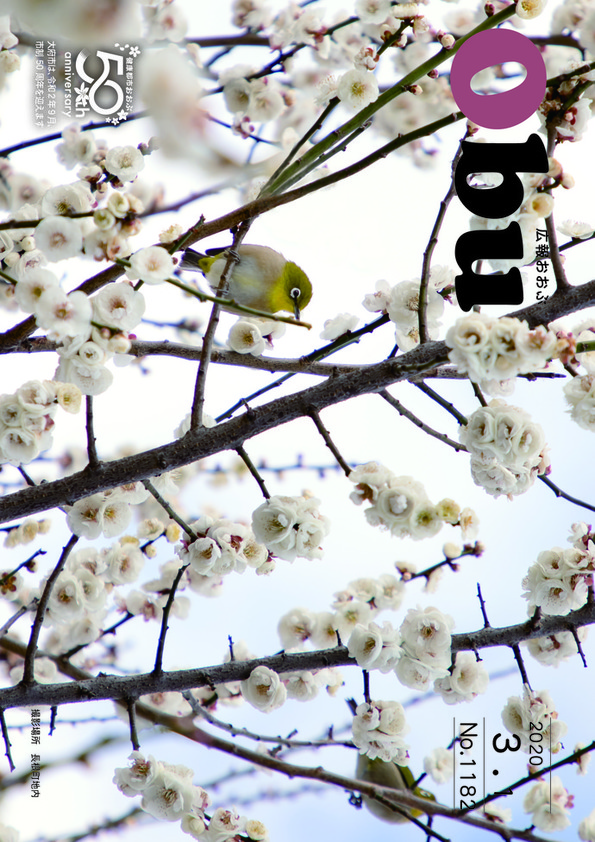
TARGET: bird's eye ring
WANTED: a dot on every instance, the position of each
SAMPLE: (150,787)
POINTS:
(295,293)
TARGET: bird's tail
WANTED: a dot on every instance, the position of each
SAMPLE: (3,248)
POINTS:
(191,259)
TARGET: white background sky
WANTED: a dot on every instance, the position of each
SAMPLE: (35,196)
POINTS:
(346,237)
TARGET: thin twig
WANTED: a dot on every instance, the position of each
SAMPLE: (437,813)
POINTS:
(253,470)
(24,609)
(158,668)
(419,423)
(559,493)
(6,738)
(173,514)
(91,441)
(520,663)
(432,243)
(329,442)
(198,400)
(199,710)
(28,668)
(447,405)
(132,723)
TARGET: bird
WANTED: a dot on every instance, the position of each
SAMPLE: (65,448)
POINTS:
(260,278)
(391,775)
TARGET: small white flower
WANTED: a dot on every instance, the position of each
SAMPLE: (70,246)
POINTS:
(333,328)
(439,765)
(168,796)
(264,689)
(58,237)
(372,11)
(586,829)
(125,162)
(153,265)
(245,338)
(118,305)
(529,9)
(63,315)
(357,88)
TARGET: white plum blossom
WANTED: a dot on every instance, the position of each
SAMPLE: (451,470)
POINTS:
(399,504)
(134,779)
(439,765)
(576,229)
(558,581)
(468,678)
(301,686)
(62,314)
(372,11)
(98,514)
(357,88)
(245,338)
(333,328)
(290,527)
(264,689)
(556,648)
(548,802)
(507,448)
(125,162)
(529,9)
(152,265)
(67,199)
(118,306)
(296,627)
(532,714)
(378,730)
(586,828)
(425,643)
(498,349)
(375,647)
(580,395)
(58,237)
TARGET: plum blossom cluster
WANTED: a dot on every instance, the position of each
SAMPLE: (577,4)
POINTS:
(534,714)
(291,527)
(115,311)
(378,730)
(580,395)
(27,418)
(571,122)
(426,644)
(222,547)
(401,303)
(558,581)
(498,349)
(78,601)
(357,604)
(26,532)
(419,652)
(507,448)
(548,802)
(168,794)
(400,504)
(106,513)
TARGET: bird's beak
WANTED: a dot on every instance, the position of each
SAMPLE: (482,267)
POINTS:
(296,310)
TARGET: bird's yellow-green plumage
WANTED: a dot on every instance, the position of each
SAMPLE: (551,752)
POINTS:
(391,775)
(262,278)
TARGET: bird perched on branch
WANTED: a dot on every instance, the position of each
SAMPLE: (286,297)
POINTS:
(260,278)
(391,775)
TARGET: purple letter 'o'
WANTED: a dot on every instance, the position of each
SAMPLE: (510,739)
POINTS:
(495,46)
